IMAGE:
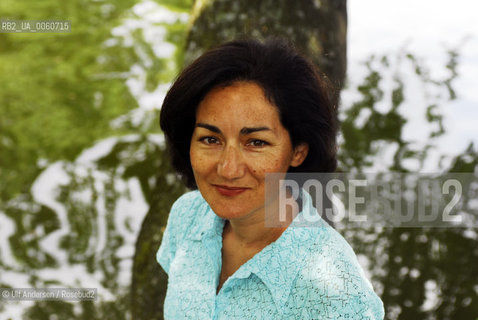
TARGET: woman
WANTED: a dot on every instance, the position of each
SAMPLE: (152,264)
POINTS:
(238,112)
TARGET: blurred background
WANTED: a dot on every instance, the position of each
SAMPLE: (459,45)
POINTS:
(85,184)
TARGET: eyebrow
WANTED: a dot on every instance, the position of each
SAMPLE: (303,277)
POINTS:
(252,130)
(244,131)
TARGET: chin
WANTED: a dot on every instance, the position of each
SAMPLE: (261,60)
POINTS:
(231,207)
(230,211)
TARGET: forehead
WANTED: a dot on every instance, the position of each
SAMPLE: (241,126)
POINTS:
(241,101)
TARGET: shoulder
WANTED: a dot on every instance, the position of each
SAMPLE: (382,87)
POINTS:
(185,210)
(188,200)
(331,282)
(183,215)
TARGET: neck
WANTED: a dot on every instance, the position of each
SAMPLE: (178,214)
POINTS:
(252,232)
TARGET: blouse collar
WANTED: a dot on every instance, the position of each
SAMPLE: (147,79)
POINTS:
(278,264)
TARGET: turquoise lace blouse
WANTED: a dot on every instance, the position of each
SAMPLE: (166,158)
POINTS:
(307,273)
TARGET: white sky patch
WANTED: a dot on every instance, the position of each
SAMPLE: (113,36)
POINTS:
(431,296)
(99,243)
(14,310)
(157,139)
(102,149)
(129,215)
(153,12)
(365,264)
(98,151)
(376,25)
(44,191)
(130,212)
(7,229)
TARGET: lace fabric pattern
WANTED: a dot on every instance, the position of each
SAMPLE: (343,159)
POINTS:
(307,273)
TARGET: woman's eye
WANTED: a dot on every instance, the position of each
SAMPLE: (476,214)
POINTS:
(209,140)
(257,143)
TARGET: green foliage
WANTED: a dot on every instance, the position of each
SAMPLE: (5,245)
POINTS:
(60,94)
(57,96)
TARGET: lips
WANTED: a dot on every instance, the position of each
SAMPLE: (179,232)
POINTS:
(229,191)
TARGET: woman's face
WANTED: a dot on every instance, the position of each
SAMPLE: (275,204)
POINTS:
(237,139)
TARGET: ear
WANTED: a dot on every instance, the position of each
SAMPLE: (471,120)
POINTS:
(300,153)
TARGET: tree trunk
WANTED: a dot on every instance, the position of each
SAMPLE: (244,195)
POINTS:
(318,28)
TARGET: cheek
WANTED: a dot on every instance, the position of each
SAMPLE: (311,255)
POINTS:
(201,164)
(260,168)
(196,161)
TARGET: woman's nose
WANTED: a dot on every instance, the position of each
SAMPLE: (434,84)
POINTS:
(231,165)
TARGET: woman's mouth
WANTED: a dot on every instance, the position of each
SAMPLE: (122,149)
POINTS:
(229,191)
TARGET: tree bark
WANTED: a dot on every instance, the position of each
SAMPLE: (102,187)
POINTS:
(318,28)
